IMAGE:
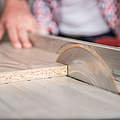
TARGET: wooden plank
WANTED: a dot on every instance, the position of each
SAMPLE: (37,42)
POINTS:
(27,64)
(111,55)
(59,97)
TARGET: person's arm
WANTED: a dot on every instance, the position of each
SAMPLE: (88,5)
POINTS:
(43,12)
(111,12)
(18,21)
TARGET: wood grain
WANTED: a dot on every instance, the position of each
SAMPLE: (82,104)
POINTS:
(27,64)
(58,97)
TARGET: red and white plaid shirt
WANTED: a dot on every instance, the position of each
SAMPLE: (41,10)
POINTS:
(44,13)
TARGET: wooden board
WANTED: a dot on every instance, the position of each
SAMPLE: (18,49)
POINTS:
(111,55)
(59,97)
(27,64)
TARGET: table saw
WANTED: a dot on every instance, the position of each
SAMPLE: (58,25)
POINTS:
(59,78)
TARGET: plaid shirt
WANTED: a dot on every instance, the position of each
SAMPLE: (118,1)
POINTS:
(44,13)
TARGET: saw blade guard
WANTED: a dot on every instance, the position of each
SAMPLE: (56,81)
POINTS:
(86,65)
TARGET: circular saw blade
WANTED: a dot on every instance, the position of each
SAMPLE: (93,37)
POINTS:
(86,65)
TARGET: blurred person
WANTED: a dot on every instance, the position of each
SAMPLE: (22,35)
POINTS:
(64,17)
(88,20)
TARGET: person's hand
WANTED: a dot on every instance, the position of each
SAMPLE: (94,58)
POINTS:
(18,21)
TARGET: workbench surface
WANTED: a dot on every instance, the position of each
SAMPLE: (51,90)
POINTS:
(58,97)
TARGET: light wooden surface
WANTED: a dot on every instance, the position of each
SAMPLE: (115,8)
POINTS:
(27,64)
(59,97)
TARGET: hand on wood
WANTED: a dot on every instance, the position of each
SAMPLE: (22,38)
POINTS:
(18,21)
